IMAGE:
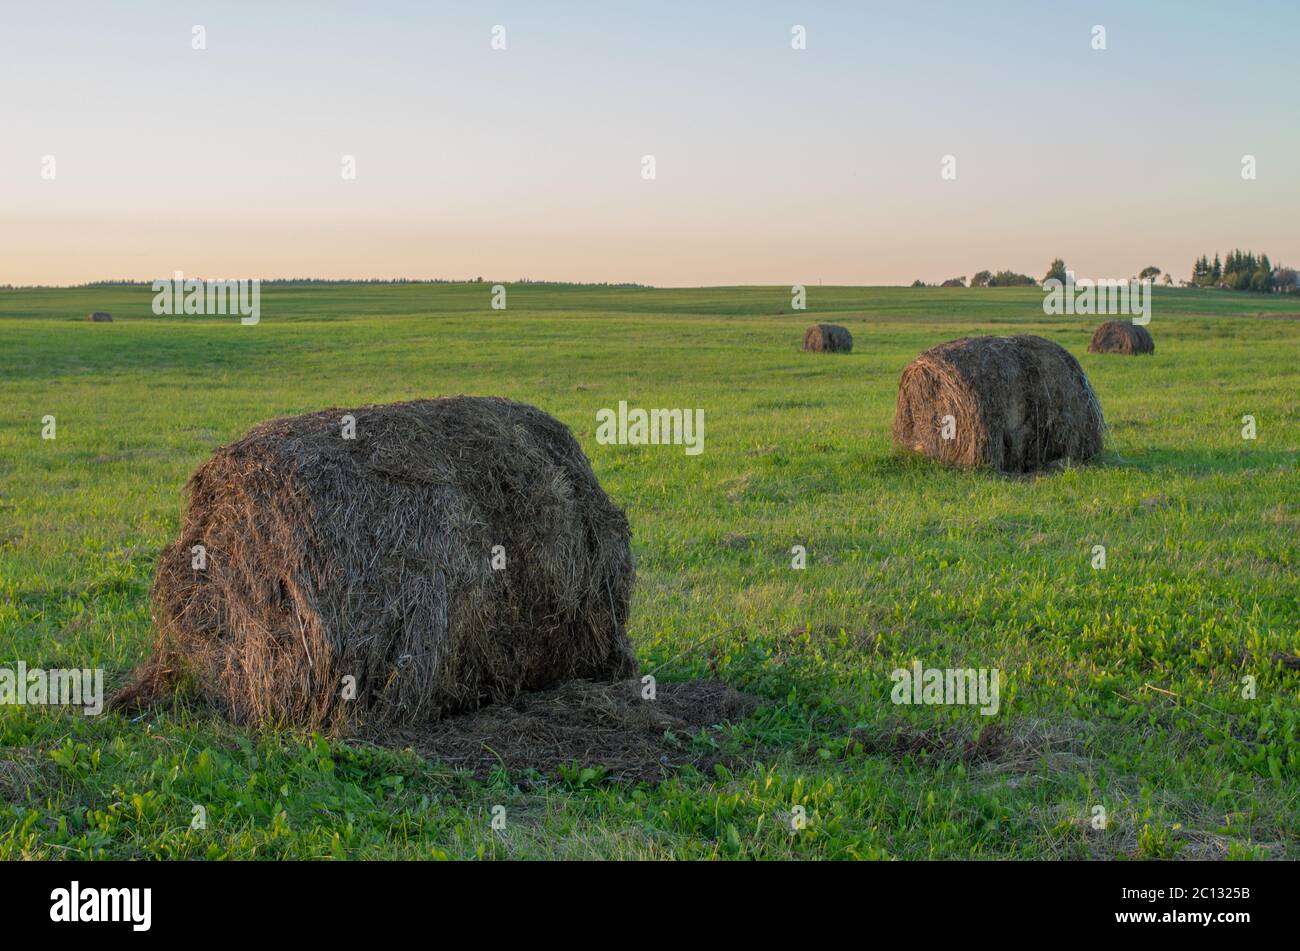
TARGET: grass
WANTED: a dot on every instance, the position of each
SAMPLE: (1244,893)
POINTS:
(1121,688)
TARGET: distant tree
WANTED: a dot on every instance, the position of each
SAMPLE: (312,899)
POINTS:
(1239,269)
(1216,271)
(1149,273)
(1056,271)
(1011,279)
(918,283)
(1169,280)
(1285,280)
(981,279)
(954,282)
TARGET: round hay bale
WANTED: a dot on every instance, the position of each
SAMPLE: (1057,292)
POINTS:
(372,558)
(100,317)
(1015,403)
(1121,336)
(828,338)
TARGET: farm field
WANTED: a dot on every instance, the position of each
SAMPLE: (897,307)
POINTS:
(1162,690)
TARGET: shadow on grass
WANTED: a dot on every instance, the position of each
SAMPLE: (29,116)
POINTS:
(1183,461)
(1200,462)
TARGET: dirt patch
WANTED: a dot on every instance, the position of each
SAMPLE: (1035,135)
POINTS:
(604,725)
(1287,661)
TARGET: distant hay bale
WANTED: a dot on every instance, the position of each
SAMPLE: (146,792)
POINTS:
(828,338)
(1014,403)
(100,317)
(1121,336)
(372,558)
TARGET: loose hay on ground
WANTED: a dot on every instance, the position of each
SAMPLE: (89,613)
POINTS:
(1121,336)
(827,338)
(589,724)
(370,558)
(20,773)
(1018,404)
(1019,746)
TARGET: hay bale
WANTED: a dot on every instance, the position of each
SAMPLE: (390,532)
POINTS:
(1017,404)
(828,338)
(99,317)
(1121,336)
(372,558)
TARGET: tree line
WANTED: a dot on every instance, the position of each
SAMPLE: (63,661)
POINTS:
(1242,271)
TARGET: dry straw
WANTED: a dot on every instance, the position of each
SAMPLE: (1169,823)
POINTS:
(1121,336)
(610,725)
(1017,404)
(371,558)
(828,338)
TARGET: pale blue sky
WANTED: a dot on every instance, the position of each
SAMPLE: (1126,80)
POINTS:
(773,165)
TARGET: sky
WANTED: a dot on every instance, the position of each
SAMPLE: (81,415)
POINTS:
(126,153)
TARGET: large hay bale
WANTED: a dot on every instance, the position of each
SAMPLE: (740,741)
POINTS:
(1017,404)
(828,338)
(1121,336)
(99,317)
(371,558)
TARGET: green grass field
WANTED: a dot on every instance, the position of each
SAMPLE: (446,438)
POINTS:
(1121,688)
